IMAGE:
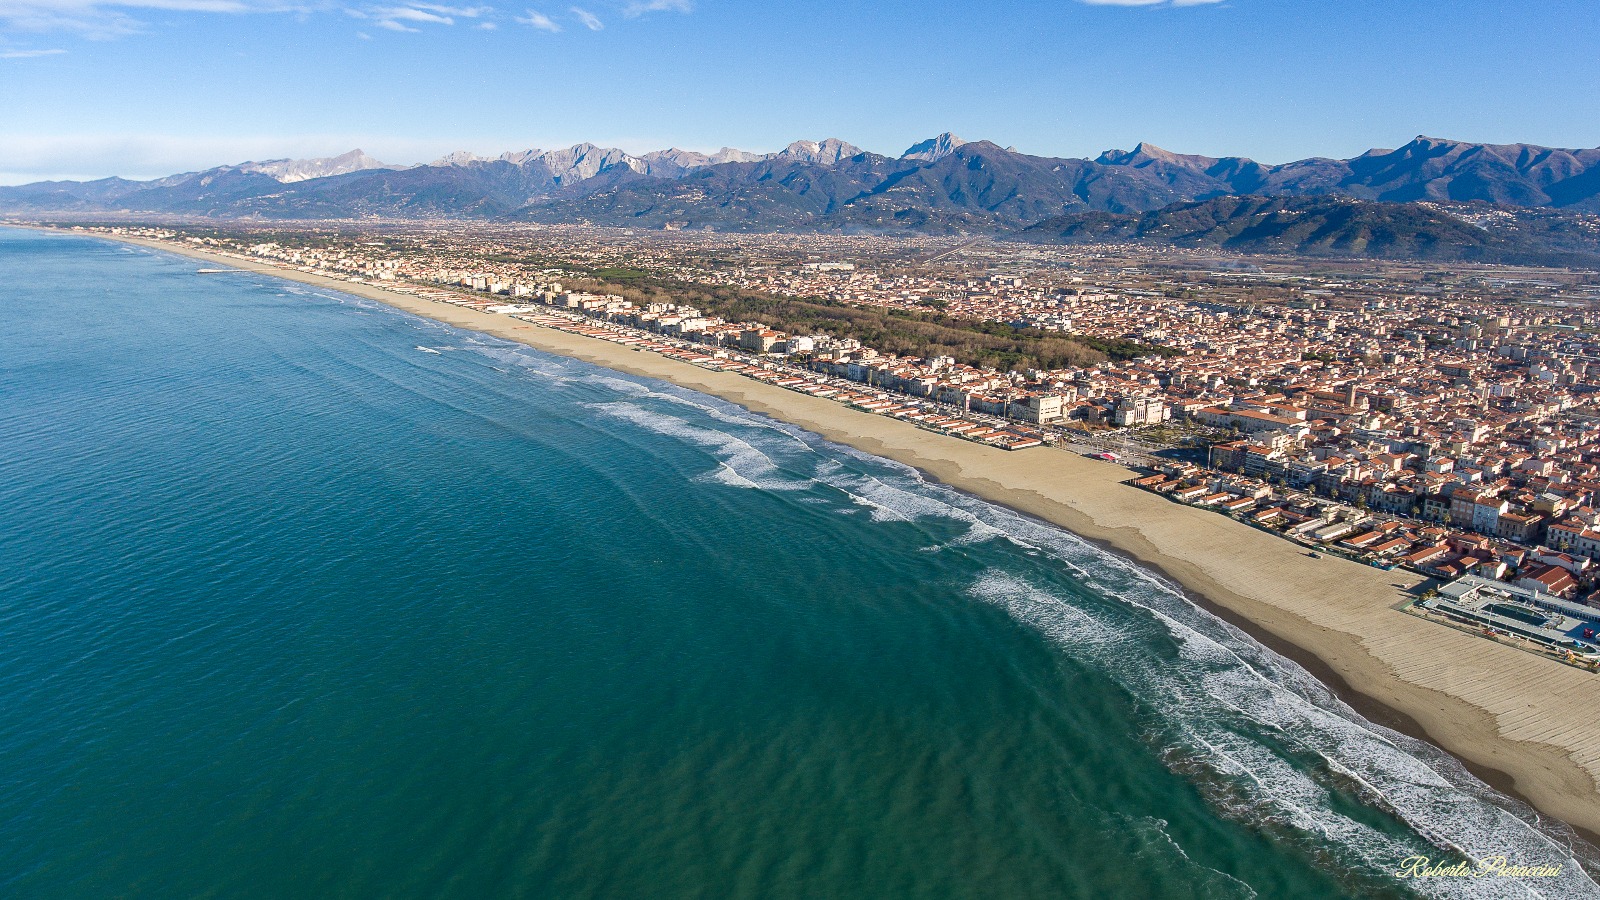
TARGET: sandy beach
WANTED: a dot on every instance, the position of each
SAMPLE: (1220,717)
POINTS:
(1526,724)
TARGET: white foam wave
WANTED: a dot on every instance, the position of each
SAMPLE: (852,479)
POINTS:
(1216,707)
(742,464)
(1048,613)
(1155,837)
(525,362)
(887,502)
(720,410)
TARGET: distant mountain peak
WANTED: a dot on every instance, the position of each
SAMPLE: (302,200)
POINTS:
(521,157)
(825,153)
(1424,144)
(459,158)
(732,154)
(1145,148)
(1145,153)
(581,162)
(934,148)
(692,159)
(1118,157)
(289,171)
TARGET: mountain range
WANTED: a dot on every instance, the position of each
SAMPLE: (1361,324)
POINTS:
(1342,227)
(940,185)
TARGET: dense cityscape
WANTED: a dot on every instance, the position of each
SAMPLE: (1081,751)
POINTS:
(1440,421)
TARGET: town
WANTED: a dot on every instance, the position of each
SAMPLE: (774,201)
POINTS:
(1435,419)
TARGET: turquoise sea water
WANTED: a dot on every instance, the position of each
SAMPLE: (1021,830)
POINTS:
(292,608)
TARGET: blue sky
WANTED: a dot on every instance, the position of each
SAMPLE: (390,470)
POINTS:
(148,87)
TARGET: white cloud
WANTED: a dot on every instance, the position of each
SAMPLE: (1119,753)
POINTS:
(106,19)
(102,19)
(29,54)
(589,19)
(637,8)
(401,18)
(407,14)
(465,12)
(539,20)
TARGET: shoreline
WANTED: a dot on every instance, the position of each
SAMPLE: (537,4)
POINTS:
(1365,705)
(1515,720)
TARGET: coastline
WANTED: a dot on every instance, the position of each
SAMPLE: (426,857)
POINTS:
(1516,720)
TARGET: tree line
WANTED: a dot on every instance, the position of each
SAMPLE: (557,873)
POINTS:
(902,332)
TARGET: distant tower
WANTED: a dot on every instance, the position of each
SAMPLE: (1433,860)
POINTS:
(1350,394)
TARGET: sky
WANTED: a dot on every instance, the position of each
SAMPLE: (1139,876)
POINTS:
(143,88)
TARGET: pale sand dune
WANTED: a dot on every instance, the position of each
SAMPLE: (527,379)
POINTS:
(1500,709)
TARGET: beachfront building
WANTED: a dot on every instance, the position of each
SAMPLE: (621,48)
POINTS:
(1135,411)
(1041,408)
(1527,612)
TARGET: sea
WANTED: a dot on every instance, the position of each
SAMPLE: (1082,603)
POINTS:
(305,597)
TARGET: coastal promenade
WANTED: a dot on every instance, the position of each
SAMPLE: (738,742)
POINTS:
(1527,725)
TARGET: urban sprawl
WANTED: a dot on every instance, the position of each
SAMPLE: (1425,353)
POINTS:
(1438,418)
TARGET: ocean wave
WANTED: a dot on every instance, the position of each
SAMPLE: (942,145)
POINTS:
(1271,757)
(887,502)
(1156,841)
(741,463)
(720,410)
(540,365)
